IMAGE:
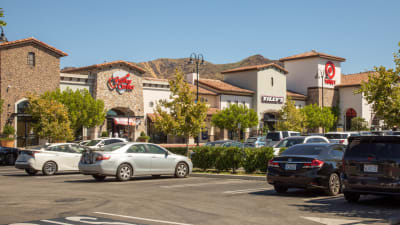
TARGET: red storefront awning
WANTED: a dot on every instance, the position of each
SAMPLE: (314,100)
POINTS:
(124,121)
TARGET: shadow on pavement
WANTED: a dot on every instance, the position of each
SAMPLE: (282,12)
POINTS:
(111,179)
(293,193)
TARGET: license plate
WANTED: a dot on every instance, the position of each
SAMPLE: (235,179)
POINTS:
(370,168)
(290,166)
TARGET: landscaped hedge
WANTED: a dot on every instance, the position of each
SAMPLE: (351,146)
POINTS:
(232,158)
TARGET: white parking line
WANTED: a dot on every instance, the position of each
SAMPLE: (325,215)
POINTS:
(140,218)
(156,180)
(56,222)
(232,181)
(322,198)
(246,191)
(59,176)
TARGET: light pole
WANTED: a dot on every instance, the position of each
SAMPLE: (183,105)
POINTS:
(2,36)
(197,59)
(322,75)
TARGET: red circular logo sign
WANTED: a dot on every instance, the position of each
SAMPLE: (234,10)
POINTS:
(330,69)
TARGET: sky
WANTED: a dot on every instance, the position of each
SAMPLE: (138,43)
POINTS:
(365,32)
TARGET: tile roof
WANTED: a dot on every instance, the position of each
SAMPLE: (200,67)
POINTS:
(155,79)
(131,65)
(222,86)
(33,40)
(355,79)
(202,91)
(256,67)
(295,95)
(313,53)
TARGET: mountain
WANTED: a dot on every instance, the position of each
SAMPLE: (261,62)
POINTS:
(165,68)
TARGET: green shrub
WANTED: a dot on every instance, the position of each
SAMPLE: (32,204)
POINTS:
(227,158)
(203,157)
(264,154)
(178,150)
(143,137)
(104,134)
(8,131)
(249,160)
(282,150)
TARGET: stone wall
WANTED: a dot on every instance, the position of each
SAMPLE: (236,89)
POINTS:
(314,96)
(18,78)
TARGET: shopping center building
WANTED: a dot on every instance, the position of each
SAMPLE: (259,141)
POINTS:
(31,66)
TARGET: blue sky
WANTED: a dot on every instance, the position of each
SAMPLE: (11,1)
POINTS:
(364,32)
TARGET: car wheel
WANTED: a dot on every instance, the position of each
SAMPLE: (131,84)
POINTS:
(280,189)
(181,170)
(49,168)
(31,172)
(99,177)
(351,197)
(124,172)
(333,185)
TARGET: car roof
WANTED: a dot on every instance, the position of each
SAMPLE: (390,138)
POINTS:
(371,138)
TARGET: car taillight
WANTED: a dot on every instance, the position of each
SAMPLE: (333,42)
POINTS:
(103,157)
(314,164)
(341,141)
(271,163)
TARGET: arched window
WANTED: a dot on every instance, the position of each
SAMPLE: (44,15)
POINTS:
(272,81)
(31,59)
(350,114)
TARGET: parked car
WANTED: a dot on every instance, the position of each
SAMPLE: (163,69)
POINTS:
(224,143)
(126,159)
(371,165)
(274,137)
(8,155)
(340,137)
(307,166)
(255,142)
(101,142)
(365,133)
(84,143)
(290,141)
(50,159)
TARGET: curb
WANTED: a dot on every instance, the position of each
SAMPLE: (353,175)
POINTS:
(225,176)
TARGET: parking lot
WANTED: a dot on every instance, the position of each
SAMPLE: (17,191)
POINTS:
(72,198)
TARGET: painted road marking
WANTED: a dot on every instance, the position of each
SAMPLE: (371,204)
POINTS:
(133,181)
(246,191)
(323,198)
(59,176)
(330,221)
(77,220)
(140,218)
(231,181)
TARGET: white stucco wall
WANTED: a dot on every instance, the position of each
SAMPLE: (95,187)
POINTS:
(321,69)
(350,100)
(299,104)
(225,99)
(153,95)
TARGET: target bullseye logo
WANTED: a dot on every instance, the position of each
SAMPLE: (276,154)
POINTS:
(330,69)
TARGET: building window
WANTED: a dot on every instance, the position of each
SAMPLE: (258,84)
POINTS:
(237,102)
(272,81)
(31,59)
(151,104)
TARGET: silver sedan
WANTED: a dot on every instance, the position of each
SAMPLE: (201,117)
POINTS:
(126,159)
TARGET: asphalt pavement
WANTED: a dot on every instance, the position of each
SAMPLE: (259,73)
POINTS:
(75,199)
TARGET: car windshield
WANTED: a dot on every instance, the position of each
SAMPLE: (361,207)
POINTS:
(286,143)
(113,147)
(251,140)
(336,136)
(304,150)
(374,149)
(274,136)
(294,134)
(38,147)
(93,143)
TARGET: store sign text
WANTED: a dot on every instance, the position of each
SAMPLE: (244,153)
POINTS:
(121,84)
(330,72)
(272,99)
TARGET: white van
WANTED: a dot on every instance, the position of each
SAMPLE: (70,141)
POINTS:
(340,137)
(274,137)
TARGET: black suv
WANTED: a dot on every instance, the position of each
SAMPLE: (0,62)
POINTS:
(371,165)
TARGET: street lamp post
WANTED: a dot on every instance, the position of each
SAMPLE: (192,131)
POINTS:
(197,59)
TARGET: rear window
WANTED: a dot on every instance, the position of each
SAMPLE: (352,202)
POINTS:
(375,149)
(294,134)
(113,147)
(93,142)
(251,140)
(336,136)
(274,136)
(290,142)
(304,150)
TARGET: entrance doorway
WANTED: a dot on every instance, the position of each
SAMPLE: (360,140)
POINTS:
(25,135)
(270,120)
(350,114)
(121,123)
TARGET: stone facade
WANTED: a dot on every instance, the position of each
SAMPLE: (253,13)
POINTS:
(331,96)
(18,79)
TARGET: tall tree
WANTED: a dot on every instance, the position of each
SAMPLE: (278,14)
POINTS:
(290,118)
(2,22)
(358,124)
(50,119)
(383,91)
(180,115)
(83,109)
(315,117)
(230,118)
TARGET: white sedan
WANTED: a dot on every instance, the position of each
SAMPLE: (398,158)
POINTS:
(50,159)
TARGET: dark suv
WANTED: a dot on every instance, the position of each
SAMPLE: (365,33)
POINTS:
(371,165)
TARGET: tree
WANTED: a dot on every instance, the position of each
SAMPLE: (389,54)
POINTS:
(180,116)
(358,124)
(315,117)
(83,109)
(230,118)
(383,91)
(290,118)
(50,119)
(2,23)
